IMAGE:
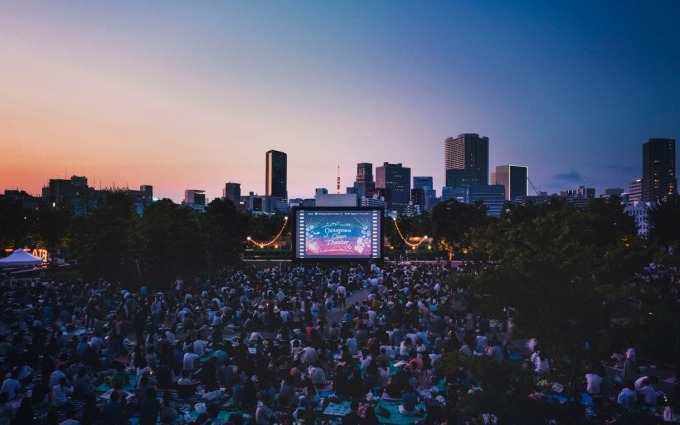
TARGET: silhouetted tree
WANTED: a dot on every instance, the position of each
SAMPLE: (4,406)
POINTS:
(453,220)
(171,242)
(105,241)
(664,221)
(224,232)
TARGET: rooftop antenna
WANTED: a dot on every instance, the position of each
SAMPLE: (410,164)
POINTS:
(338,188)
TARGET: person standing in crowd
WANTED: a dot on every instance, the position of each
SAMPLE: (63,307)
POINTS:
(630,364)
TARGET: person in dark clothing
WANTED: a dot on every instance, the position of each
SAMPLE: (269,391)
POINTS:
(249,401)
(91,413)
(356,384)
(149,408)
(352,418)
(24,414)
(112,411)
(341,382)
(370,418)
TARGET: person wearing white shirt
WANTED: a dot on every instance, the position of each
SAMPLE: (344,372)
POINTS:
(352,345)
(627,397)
(593,383)
(482,342)
(11,385)
(366,361)
(308,355)
(630,364)
(170,337)
(342,296)
(199,347)
(317,375)
(647,393)
(96,343)
(190,359)
(60,393)
(494,351)
(56,376)
(371,318)
(405,347)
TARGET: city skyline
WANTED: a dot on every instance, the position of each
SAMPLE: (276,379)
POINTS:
(180,96)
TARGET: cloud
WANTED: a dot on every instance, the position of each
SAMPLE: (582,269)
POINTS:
(622,169)
(571,176)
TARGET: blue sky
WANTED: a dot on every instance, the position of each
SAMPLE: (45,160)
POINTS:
(192,94)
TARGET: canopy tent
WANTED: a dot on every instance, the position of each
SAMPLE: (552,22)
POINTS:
(20,258)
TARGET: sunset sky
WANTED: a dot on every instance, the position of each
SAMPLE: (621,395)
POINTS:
(190,95)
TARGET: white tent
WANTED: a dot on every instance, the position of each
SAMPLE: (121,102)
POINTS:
(20,258)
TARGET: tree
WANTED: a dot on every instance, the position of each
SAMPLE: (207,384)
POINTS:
(171,242)
(664,221)
(224,231)
(554,265)
(14,224)
(453,220)
(106,244)
(50,227)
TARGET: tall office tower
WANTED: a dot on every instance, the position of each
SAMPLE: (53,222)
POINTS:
(658,169)
(148,193)
(397,180)
(232,192)
(613,191)
(429,194)
(364,184)
(277,175)
(635,190)
(418,197)
(514,178)
(466,160)
(421,182)
(492,196)
(195,199)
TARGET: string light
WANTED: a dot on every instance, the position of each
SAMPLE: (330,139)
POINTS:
(411,244)
(262,244)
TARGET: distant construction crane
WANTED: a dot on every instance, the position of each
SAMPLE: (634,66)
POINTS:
(533,187)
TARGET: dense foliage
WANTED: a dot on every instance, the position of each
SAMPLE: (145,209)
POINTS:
(166,241)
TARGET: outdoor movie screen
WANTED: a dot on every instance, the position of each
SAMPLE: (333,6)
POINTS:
(338,233)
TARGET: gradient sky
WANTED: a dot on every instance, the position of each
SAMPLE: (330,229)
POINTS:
(186,95)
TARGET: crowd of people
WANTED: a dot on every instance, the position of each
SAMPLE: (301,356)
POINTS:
(272,343)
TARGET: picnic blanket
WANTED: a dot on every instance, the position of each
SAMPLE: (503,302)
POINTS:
(337,408)
(397,418)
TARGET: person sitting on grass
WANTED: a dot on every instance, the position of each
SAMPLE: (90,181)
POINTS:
(409,403)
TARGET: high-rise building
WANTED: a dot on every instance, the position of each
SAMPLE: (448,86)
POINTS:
(232,192)
(492,196)
(397,180)
(72,193)
(635,190)
(276,183)
(422,182)
(195,199)
(613,191)
(142,197)
(658,169)
(418,197)
(466,160)
(429,193)
(147,189)
(364,184)
(514,178)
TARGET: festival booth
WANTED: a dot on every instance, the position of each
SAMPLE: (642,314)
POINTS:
(20,258)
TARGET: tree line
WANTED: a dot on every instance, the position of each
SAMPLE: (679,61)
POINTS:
(166,241)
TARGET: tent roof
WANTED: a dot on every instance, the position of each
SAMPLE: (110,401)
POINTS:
(20,258)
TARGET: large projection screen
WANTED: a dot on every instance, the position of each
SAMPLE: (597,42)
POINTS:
(338,233)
